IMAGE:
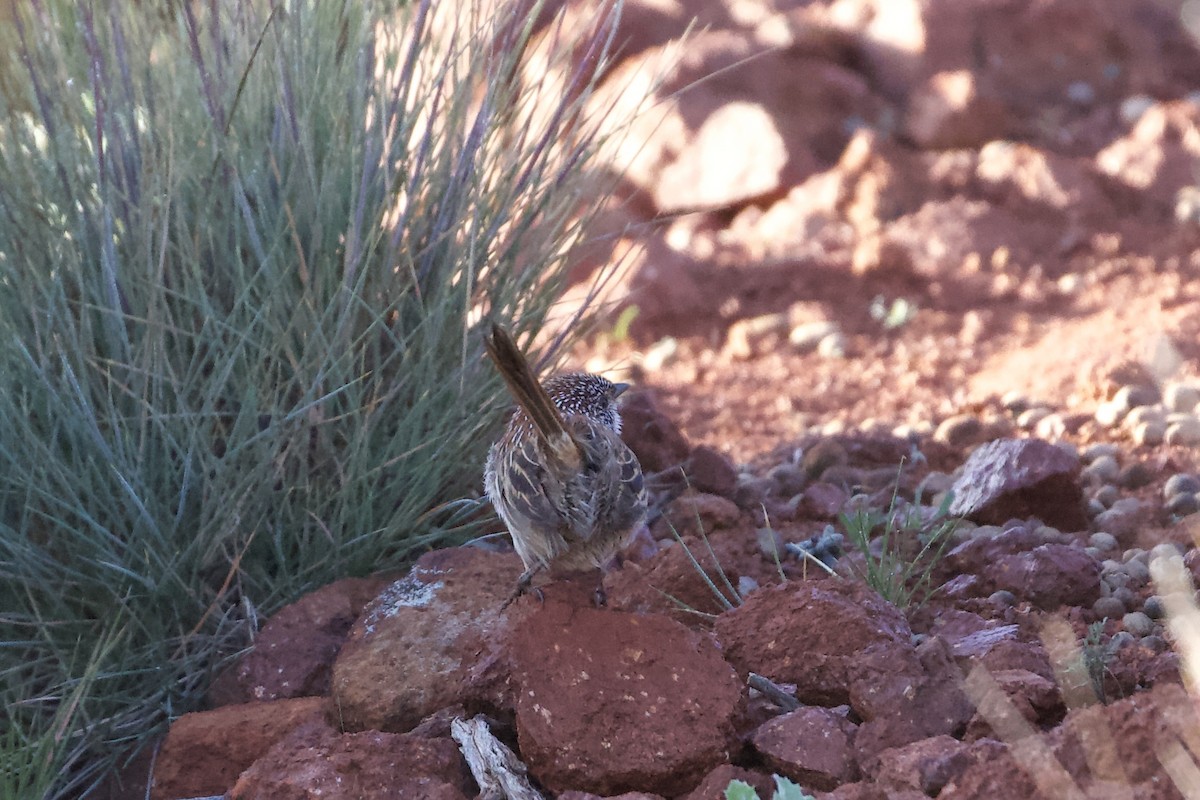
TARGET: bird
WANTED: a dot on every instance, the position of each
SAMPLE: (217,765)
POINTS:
(568,489)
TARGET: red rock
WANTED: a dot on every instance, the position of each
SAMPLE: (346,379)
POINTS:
(294,652)
(1156,158)
(948,111)
(810,745)
(806,100)
(428,641)
(205,751)
(710,471)
(1137,729)
(701,513)
(815,635)
(604,696)
(1047,575)
(839,642)
(318,762)
(716,170)
(822,501)
(1020,478)
(926,765)
(868,791)
(714,784)
(998,778)
(574,795)
(932,704)
(651,434)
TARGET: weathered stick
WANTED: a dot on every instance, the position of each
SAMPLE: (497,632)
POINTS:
(497,770)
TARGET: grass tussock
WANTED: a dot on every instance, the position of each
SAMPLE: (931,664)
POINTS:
(244,249)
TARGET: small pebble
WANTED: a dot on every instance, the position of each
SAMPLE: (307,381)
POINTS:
(1181,483)
(1094,508)
(1106,495)
(1137,416)
(1139,573)
(1015,402)
(1135,476)
(959,430)
(1104,541)
(1154,643)
(1094,552)
(1132,396)
(1003,598)
(1099,449)
(1120,640)
(1138,624)
(1133,107)
(832,346)
(809,335)
(1182,505)
(746,585)
(1109,608)
(1128,598)
(789,478)
(1104,469)
(1135,554)
(1050,427)
(1154,607)
(1150,433)
(1109,414)
(1029,418)
(770,544)
(1186,432)
(660,354)
(1181,397)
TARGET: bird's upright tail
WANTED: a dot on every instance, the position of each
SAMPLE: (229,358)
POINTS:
(526,389)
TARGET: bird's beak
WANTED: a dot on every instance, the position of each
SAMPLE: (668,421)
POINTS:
(619,389)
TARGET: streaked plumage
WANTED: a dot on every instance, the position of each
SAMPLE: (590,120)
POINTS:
(568,489)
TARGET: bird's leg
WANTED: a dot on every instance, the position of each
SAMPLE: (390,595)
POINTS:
(522,587)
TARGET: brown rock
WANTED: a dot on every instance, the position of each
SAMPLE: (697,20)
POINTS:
(948,111)
(822,501)
(932,704)
(710,471)
(204,752)
(318,762)
(1138,727)
(574,795)
(716,170)
(839,642)
(810,745)
(428,641)
(800,101)
(1047,575)
(1020,478)
(1157,157)
(651,434)
(815,635)
(603,696)
(926,765)
(714,784)
(293,654)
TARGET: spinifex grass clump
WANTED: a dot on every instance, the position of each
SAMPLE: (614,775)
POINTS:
(899,562)
(244,250)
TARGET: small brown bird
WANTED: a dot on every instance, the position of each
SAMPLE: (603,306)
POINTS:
(569,490)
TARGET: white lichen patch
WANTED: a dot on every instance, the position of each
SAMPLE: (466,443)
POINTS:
(408,592)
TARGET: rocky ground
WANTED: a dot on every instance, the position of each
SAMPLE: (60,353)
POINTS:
(891,248)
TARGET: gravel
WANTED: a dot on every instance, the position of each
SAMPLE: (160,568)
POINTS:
(1102,540)
(1180,483)
(1109,607)
(1138,624)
